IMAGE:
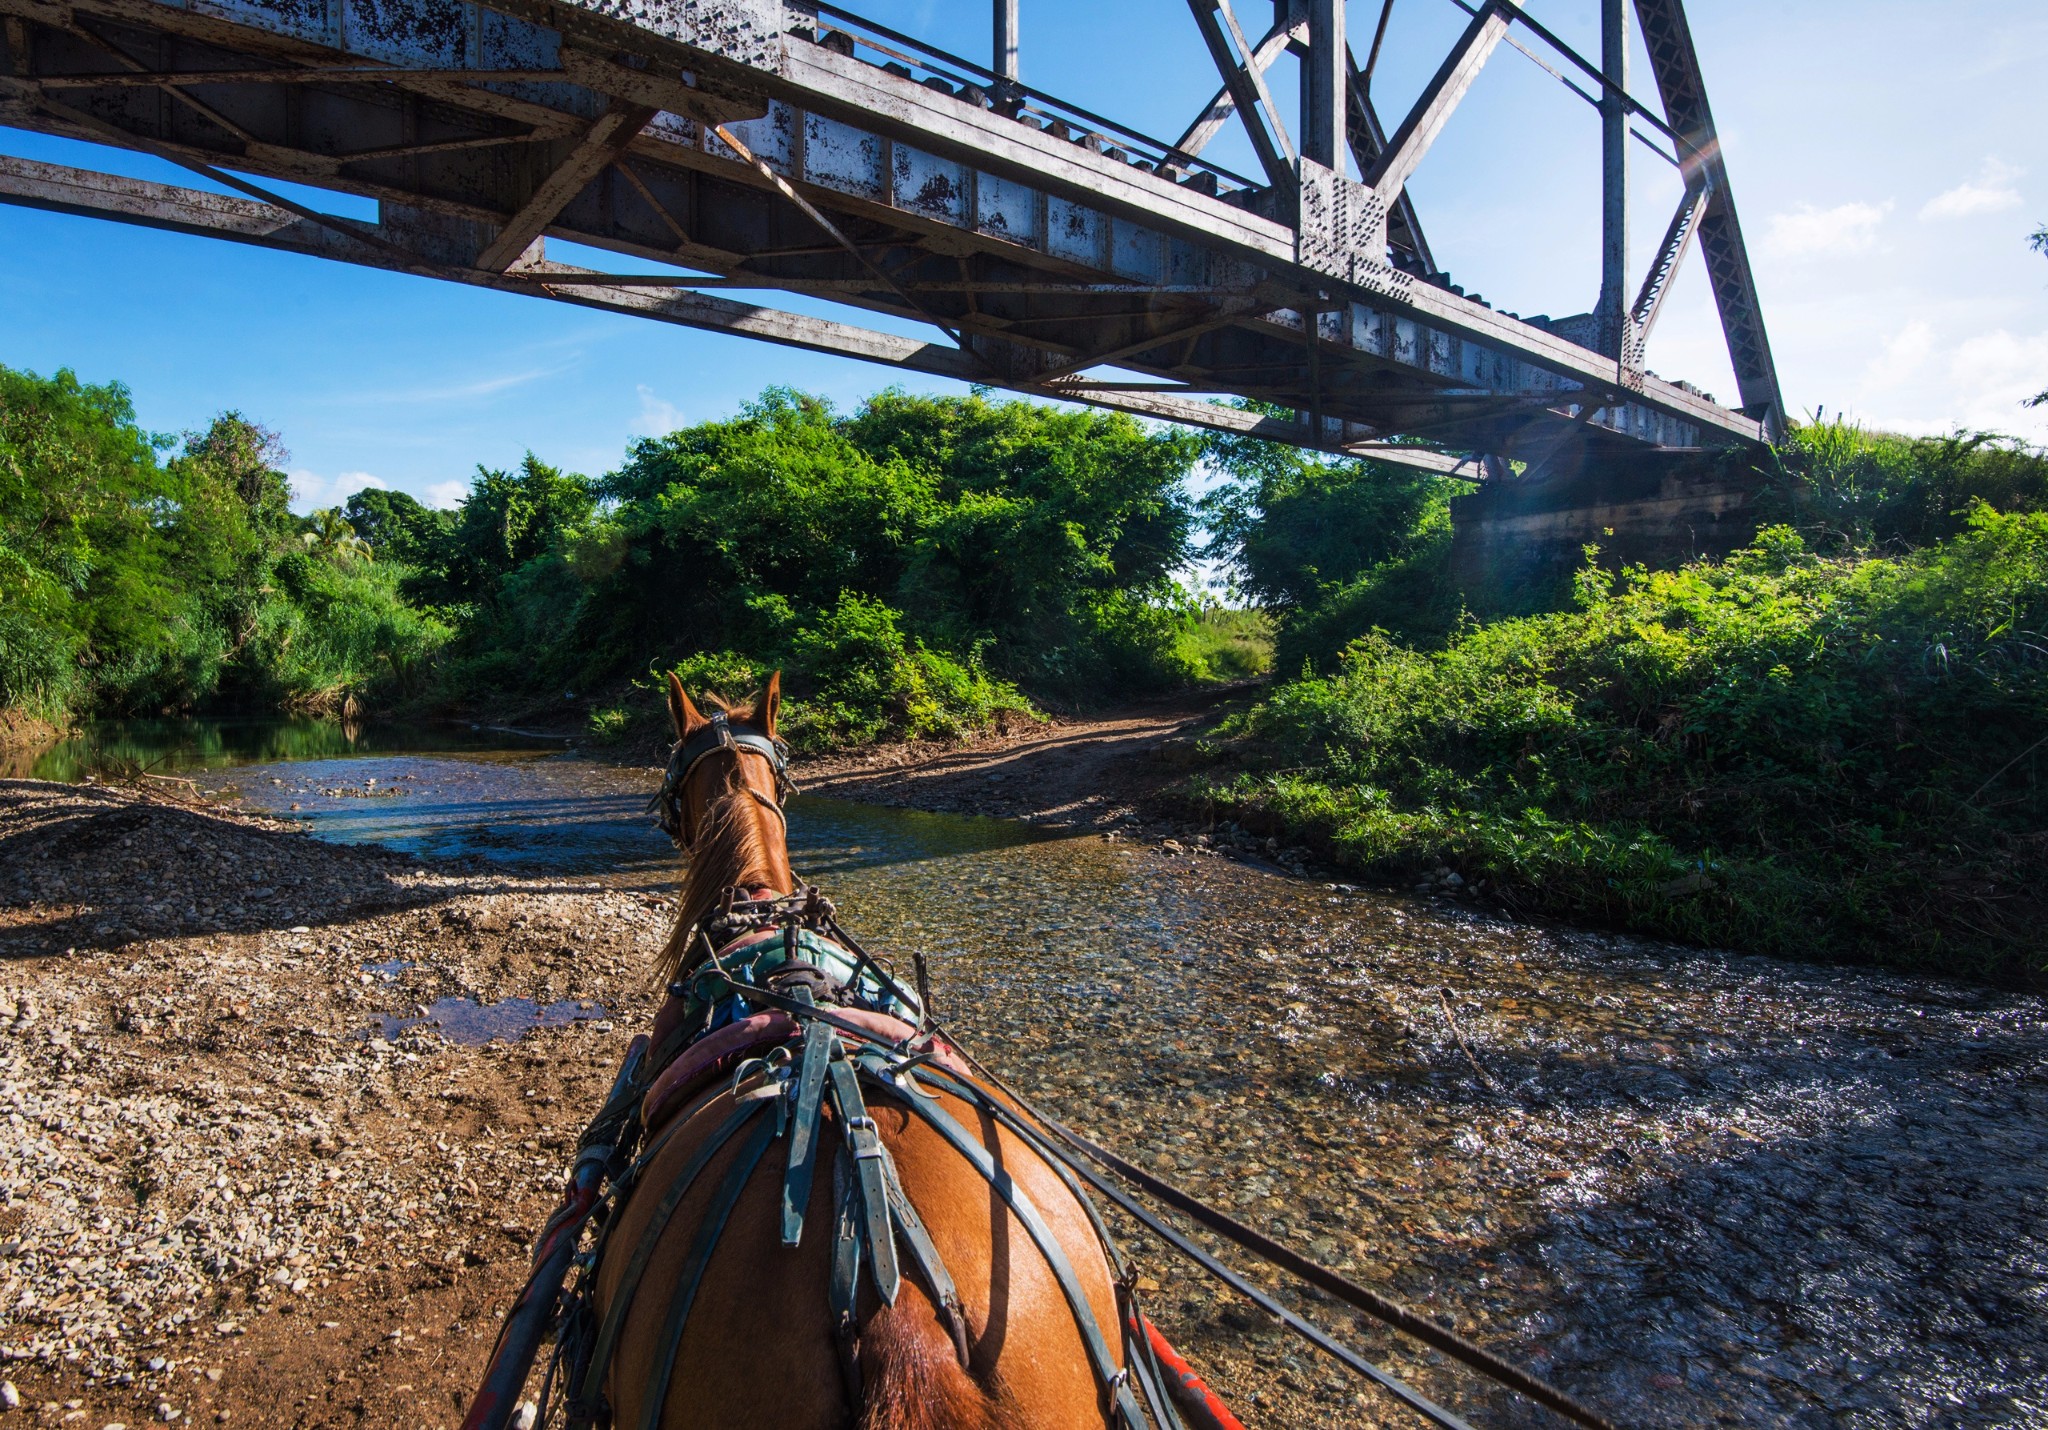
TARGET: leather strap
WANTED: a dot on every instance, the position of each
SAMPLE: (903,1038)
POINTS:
(819,1044)
(843,1291)
(1413,1399)
(694,1264)
(583,1396)
(1113,1378)
(924,1253)
(865,1140)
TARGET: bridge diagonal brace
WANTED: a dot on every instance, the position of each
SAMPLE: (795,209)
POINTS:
(1247,87)
(1675,62)
(1206,324)
(121,138)
(1678,237)
(139,72)
(603,142)
(811,211)
(1432,109)
(1368,141)
(1209,123)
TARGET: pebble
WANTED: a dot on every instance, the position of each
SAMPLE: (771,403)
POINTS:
(193,1131)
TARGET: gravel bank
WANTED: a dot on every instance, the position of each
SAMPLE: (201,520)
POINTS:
(240,1179)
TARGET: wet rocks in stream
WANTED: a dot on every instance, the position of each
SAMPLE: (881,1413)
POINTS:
(244,1169)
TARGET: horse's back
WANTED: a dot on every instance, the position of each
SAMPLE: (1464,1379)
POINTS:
(757,1348)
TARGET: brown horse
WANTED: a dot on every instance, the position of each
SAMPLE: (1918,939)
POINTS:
(708,1316)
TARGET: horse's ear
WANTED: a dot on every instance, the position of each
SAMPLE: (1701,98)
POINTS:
(681,711)
(769,705)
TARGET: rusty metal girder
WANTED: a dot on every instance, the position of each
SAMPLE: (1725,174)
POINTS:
(1047,241)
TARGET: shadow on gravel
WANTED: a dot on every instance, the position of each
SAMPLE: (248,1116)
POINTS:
(139,868)
(1859,1277)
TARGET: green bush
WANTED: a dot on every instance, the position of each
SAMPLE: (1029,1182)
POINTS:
(1784,752)
(860,679)
(1848,489)
(608,725)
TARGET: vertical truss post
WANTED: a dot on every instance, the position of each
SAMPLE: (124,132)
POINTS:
(1005,61)
(1611,312)
(1325,87)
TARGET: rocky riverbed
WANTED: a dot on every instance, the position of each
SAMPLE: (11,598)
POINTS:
(242,1175)
(260,1162)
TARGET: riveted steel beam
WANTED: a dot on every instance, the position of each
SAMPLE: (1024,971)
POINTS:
(787,149)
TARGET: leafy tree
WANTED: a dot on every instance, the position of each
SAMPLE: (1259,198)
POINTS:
(397,527)
(129,583)
(334,536)
(78,481)
(508,519)
(1332,546)
(1043,539)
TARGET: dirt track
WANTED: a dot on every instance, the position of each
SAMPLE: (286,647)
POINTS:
(1074,773)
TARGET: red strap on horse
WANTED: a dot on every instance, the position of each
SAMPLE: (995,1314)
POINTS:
(1198,1404)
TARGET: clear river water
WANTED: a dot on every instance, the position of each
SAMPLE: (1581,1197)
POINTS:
(1694,1187)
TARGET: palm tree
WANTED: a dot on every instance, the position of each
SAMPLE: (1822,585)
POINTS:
(333,536)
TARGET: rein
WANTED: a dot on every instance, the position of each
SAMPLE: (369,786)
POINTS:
(740,970)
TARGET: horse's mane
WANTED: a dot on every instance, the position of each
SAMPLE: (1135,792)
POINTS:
(731,848)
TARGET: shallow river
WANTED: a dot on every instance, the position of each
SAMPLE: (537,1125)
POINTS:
(1693,1188)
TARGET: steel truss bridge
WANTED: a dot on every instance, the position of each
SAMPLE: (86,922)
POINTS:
(791,146)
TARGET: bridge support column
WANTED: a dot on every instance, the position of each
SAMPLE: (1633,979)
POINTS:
(1611,313)
(1325,86)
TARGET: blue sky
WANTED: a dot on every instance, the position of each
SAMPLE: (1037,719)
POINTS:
(1885,155)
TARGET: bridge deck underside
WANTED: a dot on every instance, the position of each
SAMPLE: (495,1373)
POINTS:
(1041,259)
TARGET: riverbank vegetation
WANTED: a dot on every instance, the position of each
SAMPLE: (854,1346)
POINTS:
(920,566)
(1833,743)
(140,574)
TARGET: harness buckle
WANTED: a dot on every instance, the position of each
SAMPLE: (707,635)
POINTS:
(868,1148)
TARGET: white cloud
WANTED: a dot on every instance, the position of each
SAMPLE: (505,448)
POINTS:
(1991,192)
(1810,232)
(658,416)
(447,393)
(447,494)
(1903,356)
(2000,371)
(311,491)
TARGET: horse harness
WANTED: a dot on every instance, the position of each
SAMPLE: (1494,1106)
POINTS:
(788,955)
(774,954)
(684,757)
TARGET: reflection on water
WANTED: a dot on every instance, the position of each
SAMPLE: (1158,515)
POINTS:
(566,815)
(169,747)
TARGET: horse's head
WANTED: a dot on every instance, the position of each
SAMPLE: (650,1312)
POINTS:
(729,753)
(721,800)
